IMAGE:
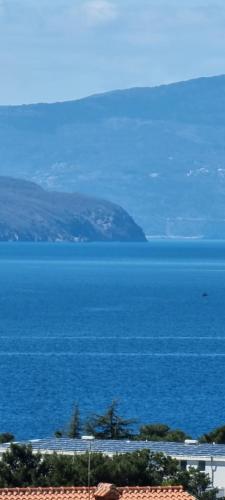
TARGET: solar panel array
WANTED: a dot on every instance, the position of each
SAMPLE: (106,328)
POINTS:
(123,446)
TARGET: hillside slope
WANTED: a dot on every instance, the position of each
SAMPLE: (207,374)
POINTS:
(159,152)
(29,213)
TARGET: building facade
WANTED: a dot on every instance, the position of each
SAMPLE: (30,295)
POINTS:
(209,458)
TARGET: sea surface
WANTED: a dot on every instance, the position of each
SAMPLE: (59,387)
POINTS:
(88,323)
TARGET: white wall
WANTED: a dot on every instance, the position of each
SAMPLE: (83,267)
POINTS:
(214,467)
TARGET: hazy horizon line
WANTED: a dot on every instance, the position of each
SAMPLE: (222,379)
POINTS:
(119,89)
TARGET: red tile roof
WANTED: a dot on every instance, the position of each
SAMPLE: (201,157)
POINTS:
(81,493)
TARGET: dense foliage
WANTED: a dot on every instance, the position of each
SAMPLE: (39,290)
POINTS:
(6,437)
(216,436)
(161,432)
(111,425)
(74,428)
(21,467)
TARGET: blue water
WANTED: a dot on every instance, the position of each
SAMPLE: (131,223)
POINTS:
(93,322)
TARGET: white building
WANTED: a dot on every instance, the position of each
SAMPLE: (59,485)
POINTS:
(209,458)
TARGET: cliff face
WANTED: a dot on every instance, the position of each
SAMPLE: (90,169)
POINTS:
(29,213)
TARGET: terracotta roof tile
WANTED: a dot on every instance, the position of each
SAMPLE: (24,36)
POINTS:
(81,493)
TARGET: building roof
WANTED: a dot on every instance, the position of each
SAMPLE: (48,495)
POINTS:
(82,493)
(66,445)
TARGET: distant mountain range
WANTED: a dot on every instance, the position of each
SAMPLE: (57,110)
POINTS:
(158,152)
(29,213)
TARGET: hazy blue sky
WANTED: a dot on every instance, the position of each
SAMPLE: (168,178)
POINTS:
(64,49)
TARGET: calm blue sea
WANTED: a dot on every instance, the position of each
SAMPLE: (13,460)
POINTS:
(86,323)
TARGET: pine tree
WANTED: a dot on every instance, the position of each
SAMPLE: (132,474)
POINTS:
(110,425)
(74,430)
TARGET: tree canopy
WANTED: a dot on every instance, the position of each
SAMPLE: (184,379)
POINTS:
(161,432)
(6,437)
(215,436)
(74,427)
(21,467)
(110,425)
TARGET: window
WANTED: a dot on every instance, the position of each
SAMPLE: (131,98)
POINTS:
(201,465)
(183,464)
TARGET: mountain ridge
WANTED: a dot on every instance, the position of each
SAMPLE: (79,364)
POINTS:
(159,152)
(156,88)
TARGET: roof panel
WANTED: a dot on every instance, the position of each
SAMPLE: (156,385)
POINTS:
(123,446)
